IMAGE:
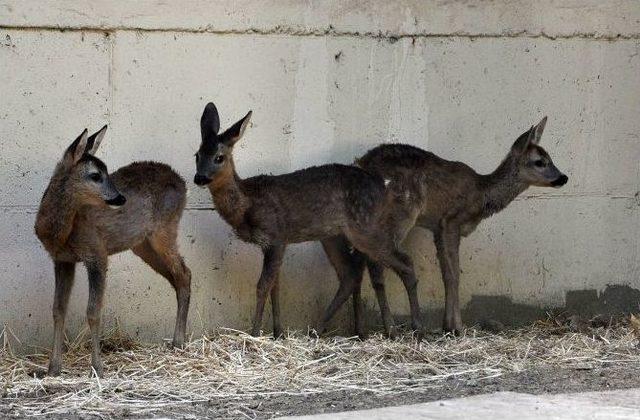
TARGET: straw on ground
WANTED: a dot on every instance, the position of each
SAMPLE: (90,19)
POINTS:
(146,379)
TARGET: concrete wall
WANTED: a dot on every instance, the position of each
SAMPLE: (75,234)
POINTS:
(327,81)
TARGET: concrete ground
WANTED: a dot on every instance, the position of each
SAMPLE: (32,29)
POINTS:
(622,404)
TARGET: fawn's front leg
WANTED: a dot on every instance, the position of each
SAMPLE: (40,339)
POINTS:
(270,269)
(64,272)
(97,272)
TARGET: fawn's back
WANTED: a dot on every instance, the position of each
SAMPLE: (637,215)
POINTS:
(307,204)
(436,185)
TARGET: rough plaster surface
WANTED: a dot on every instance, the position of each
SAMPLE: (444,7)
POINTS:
(325,86)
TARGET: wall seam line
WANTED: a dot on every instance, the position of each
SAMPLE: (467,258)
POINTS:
(331,32)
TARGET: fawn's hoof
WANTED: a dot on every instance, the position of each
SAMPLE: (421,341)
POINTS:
(54,369)
(456,332)
(176,344)
(392,333)
(278,334)
(97,370)
(418,333)
(453,326)
(96,366)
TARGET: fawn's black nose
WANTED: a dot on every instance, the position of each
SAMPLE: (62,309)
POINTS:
(562,179)
(201,180)
(117,202)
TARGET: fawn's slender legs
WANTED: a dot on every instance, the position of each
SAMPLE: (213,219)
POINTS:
(273,256)
(64,273)
(275,308)
(376,274)
(96,272)
(160,252)
(349,266)
(447,247)
(402,264)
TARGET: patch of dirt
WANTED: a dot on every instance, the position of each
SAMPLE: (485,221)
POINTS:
(539,381)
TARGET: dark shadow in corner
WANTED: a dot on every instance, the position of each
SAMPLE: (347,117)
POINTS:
(480,310)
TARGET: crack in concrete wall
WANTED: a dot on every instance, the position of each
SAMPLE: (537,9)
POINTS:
(332,32)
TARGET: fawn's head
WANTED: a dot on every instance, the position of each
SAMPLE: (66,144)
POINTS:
(534,165)
(214,157)
(85,176)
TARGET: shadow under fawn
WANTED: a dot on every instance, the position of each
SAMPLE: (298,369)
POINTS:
(326,203)
(83,217)
(456,200)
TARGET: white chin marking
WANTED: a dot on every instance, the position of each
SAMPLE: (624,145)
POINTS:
(386,182)
(114,207)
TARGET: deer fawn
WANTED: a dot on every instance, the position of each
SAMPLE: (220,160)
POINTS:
(456,200)
(327,203)
(83,218)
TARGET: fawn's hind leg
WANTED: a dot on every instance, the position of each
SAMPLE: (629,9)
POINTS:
(160,252)
(447,245)
(275,308)
(402,264)
(376,274)
(64,272)
(382,252)
(266,284)
(349,266)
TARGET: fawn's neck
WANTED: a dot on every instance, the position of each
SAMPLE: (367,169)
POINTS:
(230,201)
(56,215)
(502,186)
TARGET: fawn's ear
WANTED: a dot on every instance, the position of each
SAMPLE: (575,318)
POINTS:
(235,132)
(76,149)
(522,143)
(94,140)
(538,131)
(209,122)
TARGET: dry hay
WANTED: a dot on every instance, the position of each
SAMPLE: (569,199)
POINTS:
(233,367)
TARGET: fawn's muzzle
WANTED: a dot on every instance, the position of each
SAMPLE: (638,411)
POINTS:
(201,180)
(116,202)
(560,181)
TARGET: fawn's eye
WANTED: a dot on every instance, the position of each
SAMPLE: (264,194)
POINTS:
(219,159)
(95,177)
(539,163)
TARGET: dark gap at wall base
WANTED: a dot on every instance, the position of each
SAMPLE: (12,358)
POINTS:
(486,310)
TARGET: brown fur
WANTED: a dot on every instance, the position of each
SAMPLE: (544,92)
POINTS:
(324,203)
(453,199)
(76,225)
